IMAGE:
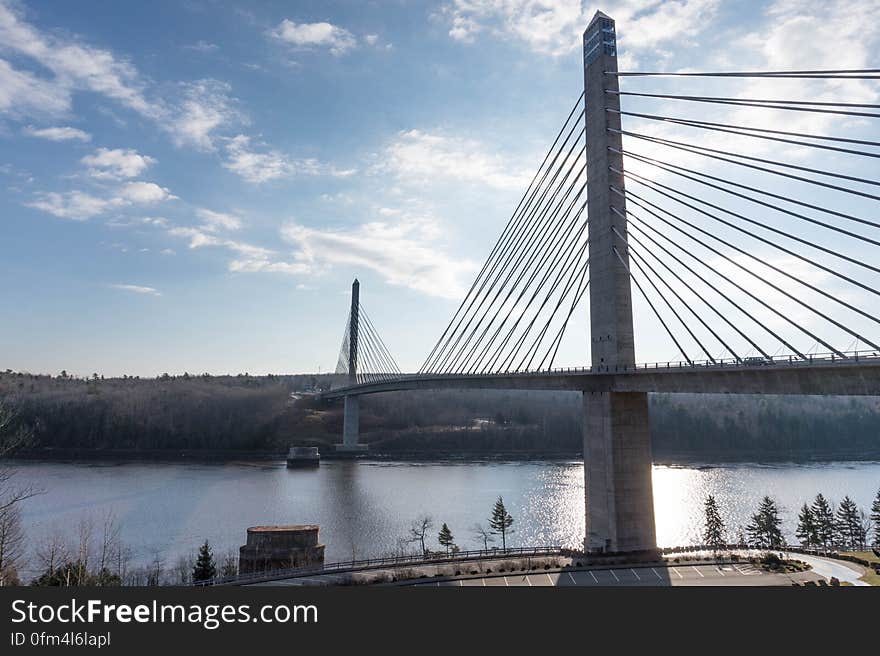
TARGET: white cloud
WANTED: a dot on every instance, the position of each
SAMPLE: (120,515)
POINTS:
(74,205)
(202,46)
(213,221)
(144,192)
(372,39)
(206,107)
(423,156)
(336,39)
(23,94)
(554,27)
(404,253)
(138,289)
(259,166)
(116,164)
(63,133)
(75,65)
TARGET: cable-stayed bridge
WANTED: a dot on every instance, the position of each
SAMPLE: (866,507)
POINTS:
(759,266)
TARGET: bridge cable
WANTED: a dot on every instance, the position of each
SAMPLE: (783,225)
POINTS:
(650,184)
(674,168)
(639,261)
(746,269)
(535,252)
(663,297)
(844,74)
(678,145)
(745,131)
(511,223)
(525,239)
(534,249)
(632,197)
(388,358)
(765,104)
(651,304)
(532,351)
(681,280)
(561,255)
(526,246)
(506,253)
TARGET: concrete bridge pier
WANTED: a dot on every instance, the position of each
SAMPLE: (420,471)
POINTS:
(350,427)
(617,471)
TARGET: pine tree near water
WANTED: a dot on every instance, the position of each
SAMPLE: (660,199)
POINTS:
(501,521)
(807,531)
(764,530)
(205,568)
(713,535)
(445,538)
(823,515)
(848,524)
(875,518)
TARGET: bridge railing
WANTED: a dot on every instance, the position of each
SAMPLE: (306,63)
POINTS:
(813,359)
(379,563)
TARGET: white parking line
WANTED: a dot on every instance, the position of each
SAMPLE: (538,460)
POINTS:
(506,584)
(550,579)
(638,578)
(677,573)
(572,578)
(614,575)
(719,570)
(484,582)
(656,574)
(460,583)
(594,577)
(702,576)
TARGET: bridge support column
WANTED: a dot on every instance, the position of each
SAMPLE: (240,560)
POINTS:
(351,427)
(617,470)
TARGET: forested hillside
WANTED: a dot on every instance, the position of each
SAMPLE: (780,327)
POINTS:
(269,413)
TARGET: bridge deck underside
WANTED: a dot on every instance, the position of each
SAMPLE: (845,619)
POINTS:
(844,379)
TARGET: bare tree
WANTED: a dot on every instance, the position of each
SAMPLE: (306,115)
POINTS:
(183,569)
(12,437)
(419,531)
(229,564)
(155,569)
(110,532)
(53,552)
(482,535)
(11,545)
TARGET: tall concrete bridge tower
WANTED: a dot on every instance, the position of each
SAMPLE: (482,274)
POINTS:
(351,410)
(617,439)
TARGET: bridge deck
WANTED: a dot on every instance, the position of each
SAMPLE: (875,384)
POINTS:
(857,376)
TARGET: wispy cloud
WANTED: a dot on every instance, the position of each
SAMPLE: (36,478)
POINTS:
(205,108)
(137,289)
(337,40)
(421,156)
(81,206)
(61,133)
(554,27)
(405,253)
(214,221)
(202,46)
(259,164)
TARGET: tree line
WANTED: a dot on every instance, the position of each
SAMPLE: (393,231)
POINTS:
(820,525)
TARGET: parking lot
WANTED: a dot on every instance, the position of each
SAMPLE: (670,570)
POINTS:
(679,575)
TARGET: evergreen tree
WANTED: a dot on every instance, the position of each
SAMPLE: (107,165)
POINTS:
(713,535)
(764,529)
(205,568)
(823,516)
(875,518)
(445,538)
(501,521)
(848,524)
(807,531)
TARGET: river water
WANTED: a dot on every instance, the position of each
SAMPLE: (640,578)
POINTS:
(365,508)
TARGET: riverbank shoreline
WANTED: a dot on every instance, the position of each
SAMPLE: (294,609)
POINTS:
(227,456)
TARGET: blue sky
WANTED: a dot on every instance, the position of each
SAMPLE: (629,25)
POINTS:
(193,185)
